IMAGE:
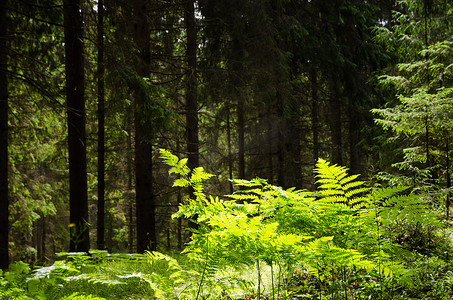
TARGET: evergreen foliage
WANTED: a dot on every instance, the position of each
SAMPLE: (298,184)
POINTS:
(419,114)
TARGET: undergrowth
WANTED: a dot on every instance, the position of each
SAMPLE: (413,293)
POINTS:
(343,241)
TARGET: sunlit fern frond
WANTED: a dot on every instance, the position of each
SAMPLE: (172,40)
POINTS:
(336,186)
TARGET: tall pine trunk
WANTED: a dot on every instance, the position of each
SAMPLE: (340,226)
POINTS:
(315,115)
(230,158)
(270,145)
(40,239)
(191,86)
(4,200)
(191,90)
(336,126)
(179,231)
(241,138)
(237,86)
(447,174)
(130,180)
(101,130)
(145,206)
(288,140)
(354,137)
(75,102)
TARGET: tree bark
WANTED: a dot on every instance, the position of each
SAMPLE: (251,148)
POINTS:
(40,236)
(237,86)
(101,130)
(179,202)
(354,136)
(447,174)
(428,156)
(241,138)
(145,206)
(315,115)
(270,146)
(130,179)
(191,91)
(191,86)
(230,158)
(336,127)
(288,156)
(4,198)
(75,102)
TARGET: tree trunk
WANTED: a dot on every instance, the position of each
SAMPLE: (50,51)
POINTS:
(230,158)
(191,90)
(288,158)
(75,102)
(43,240)
(241,139)
(295,148)
(428,157)
(145,206)
(130,179)
(280,146)
(191,86)
(4,200)
(447,174)
(335,127)
(40,236)
(237,86)
(354,136)
(315,115)
(179,230)
(101,130)
(179,202)
(270,147)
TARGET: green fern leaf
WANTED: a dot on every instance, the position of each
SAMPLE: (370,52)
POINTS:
(181,182)
(347,179)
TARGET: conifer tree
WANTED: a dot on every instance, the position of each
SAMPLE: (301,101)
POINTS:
(4,198)
(101,129)
(191,85)
(75,101)
(418,110)
(145,202)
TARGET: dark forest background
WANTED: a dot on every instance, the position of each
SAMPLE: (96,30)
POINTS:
(90,91)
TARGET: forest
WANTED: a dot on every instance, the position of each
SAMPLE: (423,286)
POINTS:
(226,149)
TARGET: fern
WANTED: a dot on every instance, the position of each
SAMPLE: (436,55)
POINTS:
(170,279)
(336,186)
(323,257)
(340,226)
(387,204)
(188,178)
(390,206)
